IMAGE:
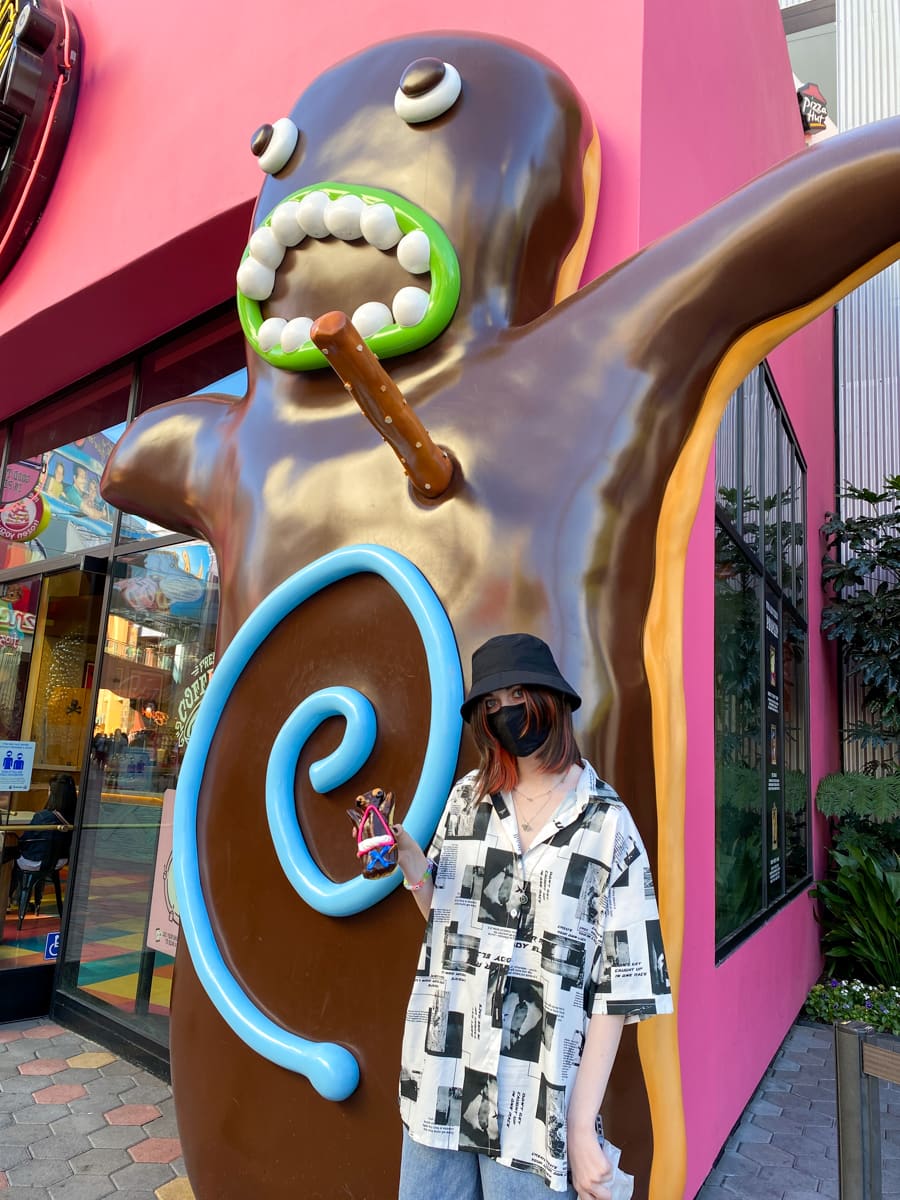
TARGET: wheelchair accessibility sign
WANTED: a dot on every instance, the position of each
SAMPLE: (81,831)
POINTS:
(16,761)
(51,947)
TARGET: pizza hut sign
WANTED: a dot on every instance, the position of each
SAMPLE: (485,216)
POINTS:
(813,108)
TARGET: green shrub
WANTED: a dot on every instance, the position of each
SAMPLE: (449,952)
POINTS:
(851,1000)
(860,917)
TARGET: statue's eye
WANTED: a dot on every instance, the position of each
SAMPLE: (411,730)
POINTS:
(274,144)
(427,89)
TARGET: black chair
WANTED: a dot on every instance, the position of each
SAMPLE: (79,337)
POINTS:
(46,844)
(32,883)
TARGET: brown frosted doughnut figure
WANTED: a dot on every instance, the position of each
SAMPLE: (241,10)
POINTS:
(372,818)
(576,432)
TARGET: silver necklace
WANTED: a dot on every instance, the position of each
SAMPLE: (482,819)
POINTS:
(528,823)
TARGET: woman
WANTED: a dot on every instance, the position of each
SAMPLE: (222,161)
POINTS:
(43,846)
(508,1048)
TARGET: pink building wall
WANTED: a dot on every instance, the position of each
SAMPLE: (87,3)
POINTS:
(718,107)
(150,213)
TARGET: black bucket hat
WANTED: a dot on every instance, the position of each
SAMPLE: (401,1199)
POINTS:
(515,658)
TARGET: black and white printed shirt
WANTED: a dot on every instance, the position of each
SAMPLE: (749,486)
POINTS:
(519,951)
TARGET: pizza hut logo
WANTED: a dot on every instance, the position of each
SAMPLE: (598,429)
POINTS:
(813,108)
(40,65)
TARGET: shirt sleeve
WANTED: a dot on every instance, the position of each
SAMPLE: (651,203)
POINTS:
(455,811)
(629,976)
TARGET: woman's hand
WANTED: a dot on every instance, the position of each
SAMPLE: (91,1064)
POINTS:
(592,1172)
(407,848)
(414,865)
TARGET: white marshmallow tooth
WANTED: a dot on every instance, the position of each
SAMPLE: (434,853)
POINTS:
(255,281)
(311,214)
(270,333)
(379,227)
(409,306)
(370,317)
(295,333)
(414,252)
(286,225)
(341,217)
(266,248)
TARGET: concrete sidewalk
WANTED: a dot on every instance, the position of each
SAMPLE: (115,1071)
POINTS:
(785,1145)
(79,1123)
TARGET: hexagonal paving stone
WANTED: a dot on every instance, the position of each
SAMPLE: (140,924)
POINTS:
(99,1160)
(132,1114)
(92,1058)
(43,1066)
(41,1173)
(79,1123)
(44,1031)
(142,1175)
(24,1135)
(83,1187)
(61,1145)
(11,1156)
(60,1093)
(178,1189)
(156,1150)
(11,1035)
(40,1114)
(117,1136)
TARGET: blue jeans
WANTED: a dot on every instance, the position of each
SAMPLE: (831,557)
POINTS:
(463,1175)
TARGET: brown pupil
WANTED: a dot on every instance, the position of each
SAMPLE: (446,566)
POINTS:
(421,76)
(261,139)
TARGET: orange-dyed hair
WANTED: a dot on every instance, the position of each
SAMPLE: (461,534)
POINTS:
(498,772)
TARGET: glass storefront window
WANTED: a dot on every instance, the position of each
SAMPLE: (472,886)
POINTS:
(106,644)
(762,779)
(47,662)
(51,502)
(18,616)
(157,657)
(739,871)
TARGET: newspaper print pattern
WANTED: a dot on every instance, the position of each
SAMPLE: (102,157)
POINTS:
(519,952)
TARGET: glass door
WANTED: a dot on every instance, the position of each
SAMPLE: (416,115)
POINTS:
(49,628)
(157,658)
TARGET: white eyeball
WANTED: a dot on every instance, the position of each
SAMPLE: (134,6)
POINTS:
(341,217)
(255,281)
(379,226)
(273,145)
(409,306)
(266,248)
(370,317)
(426,91)
(285,224)
(270,333)
(311,214)
(414,252)
(295,333)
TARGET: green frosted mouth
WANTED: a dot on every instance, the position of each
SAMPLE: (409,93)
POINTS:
(417,316)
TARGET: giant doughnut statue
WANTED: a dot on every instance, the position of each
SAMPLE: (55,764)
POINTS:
(442,439)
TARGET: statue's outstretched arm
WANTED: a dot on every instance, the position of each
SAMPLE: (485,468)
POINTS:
(769,258)
(163,466)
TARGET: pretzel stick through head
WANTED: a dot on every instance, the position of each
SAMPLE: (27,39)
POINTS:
(429,468)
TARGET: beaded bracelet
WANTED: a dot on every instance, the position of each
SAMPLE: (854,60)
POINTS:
(414,887)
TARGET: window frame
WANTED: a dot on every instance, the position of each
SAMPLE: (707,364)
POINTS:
(761,387)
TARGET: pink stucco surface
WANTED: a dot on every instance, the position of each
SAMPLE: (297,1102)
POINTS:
(718,108)
(149,216)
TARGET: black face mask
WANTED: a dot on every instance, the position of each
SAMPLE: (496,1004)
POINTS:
(508,726)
